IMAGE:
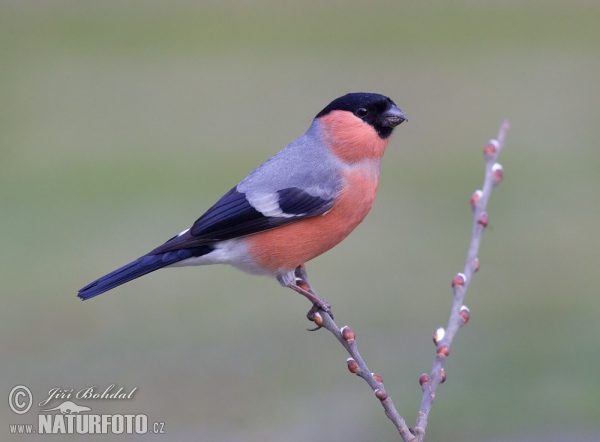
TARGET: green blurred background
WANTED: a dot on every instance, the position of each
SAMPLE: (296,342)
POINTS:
(122,121)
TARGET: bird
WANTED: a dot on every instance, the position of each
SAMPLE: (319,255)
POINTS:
(295,206)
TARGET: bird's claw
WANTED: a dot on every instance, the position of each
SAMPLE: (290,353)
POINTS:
(303,287)
(324,307)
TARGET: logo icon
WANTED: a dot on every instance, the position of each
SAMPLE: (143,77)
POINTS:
(68,407)
(71,418)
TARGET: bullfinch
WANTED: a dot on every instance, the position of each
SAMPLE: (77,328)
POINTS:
(292,208)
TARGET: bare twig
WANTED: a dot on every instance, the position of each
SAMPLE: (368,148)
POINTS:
(458,317)
(460,313)
(356,364)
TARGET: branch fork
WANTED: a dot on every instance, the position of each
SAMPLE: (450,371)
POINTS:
(442,338)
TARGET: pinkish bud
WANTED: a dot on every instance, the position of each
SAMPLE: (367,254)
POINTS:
(443,350)
(483,219)
(318,319)
(491,148)
(498,174)
(352,365)
(459,279)
(464,313)
(347,333)
(381,394)
(442,376)
(439,335)
(423,379)
(476,264)
(475,198)
(303,285)
(377,377)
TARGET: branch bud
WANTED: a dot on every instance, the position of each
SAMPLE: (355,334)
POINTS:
(318,319)
(491,148)
(443,350)
(464,313)
(498,174)
(459,279)
(476,264)
(442,376)
(352,365)
(483,219)
(423,379)
(377,377)
(303,284)
(439,335)
(475,198)
(381,394)
(347,333)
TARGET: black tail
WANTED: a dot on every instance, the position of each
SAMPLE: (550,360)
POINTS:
(139,267)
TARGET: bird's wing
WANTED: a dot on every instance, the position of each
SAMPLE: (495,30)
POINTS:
(300,181)
(239,214)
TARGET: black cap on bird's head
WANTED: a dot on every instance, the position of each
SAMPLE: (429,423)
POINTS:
(377,110)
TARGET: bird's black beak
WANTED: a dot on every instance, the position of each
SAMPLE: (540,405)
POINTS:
(392,117)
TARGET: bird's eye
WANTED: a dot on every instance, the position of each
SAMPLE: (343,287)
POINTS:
(361,112)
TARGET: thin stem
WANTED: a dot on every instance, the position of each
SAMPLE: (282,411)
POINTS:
(458,315)
(347,339)
(456,321)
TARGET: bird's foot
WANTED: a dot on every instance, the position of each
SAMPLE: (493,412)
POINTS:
(303,287)
(319,304)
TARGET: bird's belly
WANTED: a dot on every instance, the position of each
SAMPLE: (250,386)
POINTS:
(285,248)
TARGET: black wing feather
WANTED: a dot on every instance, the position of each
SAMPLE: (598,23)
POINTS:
(233,216)
(297,202)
